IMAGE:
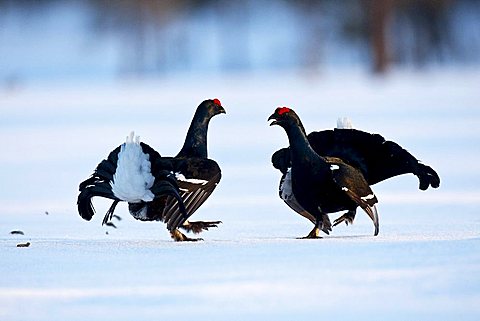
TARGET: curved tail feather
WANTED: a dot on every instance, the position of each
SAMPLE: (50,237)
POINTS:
(373,213)
(84,201)
(108,216)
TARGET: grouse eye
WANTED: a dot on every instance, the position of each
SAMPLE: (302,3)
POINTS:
(216,101)
(282,110)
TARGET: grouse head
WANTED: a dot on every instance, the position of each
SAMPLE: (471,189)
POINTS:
(211,107)
(196,141)
(286,118)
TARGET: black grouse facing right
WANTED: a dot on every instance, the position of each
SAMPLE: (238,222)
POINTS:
(315,185)
(168,189)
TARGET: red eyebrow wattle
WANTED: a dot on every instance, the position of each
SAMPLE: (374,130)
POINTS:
(282,110)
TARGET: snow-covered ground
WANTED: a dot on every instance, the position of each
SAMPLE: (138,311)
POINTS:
(423,266)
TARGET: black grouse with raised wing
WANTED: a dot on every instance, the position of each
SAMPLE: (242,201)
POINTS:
(378,159)
(315,185)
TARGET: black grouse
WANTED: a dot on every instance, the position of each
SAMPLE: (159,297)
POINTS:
(316,185)
(377,159)
(168,189)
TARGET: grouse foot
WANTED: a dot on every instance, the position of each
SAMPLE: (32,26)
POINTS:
(180,237)
(347,218)
(314,234)
(199,226)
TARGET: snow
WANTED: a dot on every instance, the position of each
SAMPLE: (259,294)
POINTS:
(423,265)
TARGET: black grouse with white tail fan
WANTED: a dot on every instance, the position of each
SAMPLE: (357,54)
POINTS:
(315,185)
(168,189)
(376,158)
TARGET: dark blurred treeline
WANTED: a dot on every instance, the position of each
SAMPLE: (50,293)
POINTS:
(173,34)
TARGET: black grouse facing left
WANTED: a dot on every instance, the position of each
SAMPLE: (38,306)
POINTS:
(168,189)
(375,157)
(314,185)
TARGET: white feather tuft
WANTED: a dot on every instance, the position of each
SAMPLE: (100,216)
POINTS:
(181,177)
(133,177)
(368,197)
(344,123)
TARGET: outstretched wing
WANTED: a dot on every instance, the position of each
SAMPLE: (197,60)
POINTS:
(354,185)
(281,160)
(378,159)
(196,179)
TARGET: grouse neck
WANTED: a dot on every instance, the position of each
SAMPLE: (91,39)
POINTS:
(298,140)
(299,144)
(196,141)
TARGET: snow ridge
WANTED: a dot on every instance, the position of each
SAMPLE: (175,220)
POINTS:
(133,177)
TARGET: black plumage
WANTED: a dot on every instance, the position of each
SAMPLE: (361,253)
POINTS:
(315,185)
(181,183)
(376,158)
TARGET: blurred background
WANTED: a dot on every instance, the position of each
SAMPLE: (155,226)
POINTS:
(76,77)
(51,40)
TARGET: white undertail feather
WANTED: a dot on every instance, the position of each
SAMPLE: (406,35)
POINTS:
(133,177)
(344,123)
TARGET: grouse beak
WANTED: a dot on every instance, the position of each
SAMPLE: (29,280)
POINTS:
(275,120)
(221,110)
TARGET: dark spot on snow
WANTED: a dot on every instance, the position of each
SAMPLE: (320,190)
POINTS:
(46,213)
(23,244)
(117,217)
(17,232)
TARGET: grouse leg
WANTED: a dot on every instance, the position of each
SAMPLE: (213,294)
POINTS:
(326,224)
(347,218)
(180,237)
(315,232)
(199,226)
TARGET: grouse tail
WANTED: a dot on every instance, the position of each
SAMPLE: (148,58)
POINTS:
(87,192)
